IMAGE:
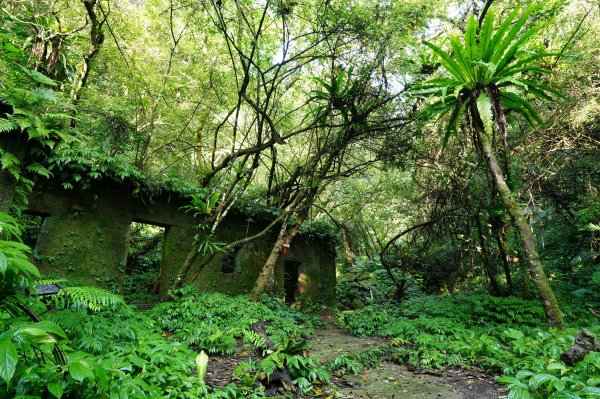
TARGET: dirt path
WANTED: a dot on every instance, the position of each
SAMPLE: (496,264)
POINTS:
(391,380)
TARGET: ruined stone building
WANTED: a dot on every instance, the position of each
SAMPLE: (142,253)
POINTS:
(84,233)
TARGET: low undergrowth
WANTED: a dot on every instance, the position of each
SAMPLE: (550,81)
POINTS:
(216,322)
(115,352)
(501,335)
(84,342)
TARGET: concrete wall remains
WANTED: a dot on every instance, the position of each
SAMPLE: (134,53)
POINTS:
(85,233)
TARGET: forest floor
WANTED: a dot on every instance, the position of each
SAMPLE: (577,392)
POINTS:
(389,380)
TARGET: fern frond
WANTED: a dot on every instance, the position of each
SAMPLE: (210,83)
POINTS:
(500,41)
(57,281)
(92,298)
(39,169)
(485,35)
(465,66)
(484,106)
(268,366)
(471,45)
(493,47)
(447,61)
(8,160)
(522,106)
(584,256)
(7,125)
(514,47)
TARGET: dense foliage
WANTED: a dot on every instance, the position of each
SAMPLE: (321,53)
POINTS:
(447,149)
(502,335)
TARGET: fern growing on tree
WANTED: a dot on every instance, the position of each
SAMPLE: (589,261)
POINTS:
(489,77)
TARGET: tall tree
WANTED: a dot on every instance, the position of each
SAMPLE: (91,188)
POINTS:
(487,69)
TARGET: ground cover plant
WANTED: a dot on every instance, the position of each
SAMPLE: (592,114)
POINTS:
(504,336)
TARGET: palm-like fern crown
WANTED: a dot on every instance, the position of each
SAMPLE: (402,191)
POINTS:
(488,57)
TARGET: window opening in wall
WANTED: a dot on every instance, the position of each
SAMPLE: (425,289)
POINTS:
(33,224)
(144,258)
(228,260)
(290,280)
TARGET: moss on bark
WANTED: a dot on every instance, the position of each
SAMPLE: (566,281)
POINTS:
(549,302)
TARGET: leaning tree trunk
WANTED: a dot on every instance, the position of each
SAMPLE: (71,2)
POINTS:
(265,281)
(536,270)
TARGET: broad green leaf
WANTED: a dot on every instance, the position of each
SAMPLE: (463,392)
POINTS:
(471,39)
(540,379)
(502,48)
(460,114)
(507,380)
(547,88)
(35,335)
(453,126)
(324,84)
(8,360)
(539,93)
(56,389)
(524,65)
(25,266)
(514,47)
(524,373)
(80,370)
(338,83)
(499,34)
(51,328)
(592,392)
(38,77)
(522,106)
(517,392)
(564,395)
(495,48)
(484,106)
(556,366)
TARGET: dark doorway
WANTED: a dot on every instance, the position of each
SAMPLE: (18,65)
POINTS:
(228,261)
(144,258)
(290,279)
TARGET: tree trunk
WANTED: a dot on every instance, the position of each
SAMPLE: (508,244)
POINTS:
(536,270)
(585,343)
(96,39)
(187,265)
(500,235)
(265,282)
(523,268)
(349,252)
(400,285)
(486,261)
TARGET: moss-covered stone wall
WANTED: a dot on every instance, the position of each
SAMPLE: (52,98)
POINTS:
(85,235)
